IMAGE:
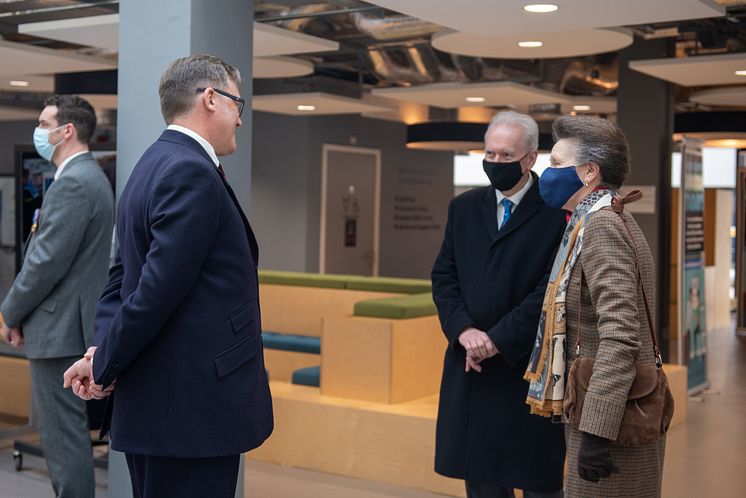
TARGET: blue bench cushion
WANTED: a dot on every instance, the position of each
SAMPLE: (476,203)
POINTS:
(288,342)
(309,376)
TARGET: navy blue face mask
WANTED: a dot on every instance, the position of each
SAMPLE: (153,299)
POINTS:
(557,185)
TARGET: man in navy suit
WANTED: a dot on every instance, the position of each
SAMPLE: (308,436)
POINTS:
(178,332)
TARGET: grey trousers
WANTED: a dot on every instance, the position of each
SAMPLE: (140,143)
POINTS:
(62,423)
(482,490)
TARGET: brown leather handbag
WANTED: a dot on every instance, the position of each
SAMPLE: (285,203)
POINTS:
(650,406)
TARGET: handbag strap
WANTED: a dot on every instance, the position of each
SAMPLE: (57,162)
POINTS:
(617,205)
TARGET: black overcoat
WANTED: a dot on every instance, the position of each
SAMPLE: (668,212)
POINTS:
(495,282)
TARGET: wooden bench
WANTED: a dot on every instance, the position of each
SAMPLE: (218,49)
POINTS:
(390,351)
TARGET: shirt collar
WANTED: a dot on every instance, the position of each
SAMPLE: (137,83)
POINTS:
(518,196)
(66,162)
(204,143)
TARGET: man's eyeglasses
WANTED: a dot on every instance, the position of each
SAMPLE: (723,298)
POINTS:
(238,100)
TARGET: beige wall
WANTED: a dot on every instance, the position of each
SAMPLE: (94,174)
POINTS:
(717,277)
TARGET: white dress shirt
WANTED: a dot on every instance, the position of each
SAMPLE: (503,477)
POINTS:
(204,143)
(515,199)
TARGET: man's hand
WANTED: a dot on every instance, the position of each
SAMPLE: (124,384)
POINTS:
(80,377)
(472,364)
(477,344)
(12,336)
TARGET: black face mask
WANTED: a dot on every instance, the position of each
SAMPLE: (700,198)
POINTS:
(503,176)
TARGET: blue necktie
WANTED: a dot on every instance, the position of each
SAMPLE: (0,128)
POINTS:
(507,204)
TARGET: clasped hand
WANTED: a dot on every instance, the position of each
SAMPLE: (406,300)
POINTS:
(13,336)
(80,378)
(478,346)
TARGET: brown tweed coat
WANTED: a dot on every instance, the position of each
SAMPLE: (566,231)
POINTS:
(608,311)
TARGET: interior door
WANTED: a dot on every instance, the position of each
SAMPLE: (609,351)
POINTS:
(350,207)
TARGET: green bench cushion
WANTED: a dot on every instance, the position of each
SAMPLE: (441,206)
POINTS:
(389,284)
(302,279)
(397,307)
(309,376)
(352,282)
(289,342)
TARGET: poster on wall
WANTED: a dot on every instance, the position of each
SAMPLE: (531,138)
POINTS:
(693,339)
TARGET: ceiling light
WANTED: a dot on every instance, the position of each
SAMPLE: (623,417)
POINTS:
(446,135)
(540,8)
(306,107)
(530,44)
(741,72)
(475,99)
(581,108)
(19,83)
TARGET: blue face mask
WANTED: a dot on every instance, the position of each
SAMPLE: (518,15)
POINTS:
(41,142)
(557,185)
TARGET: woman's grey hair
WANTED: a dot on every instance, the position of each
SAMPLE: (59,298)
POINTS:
(180,80)
(599,141)
(518,120)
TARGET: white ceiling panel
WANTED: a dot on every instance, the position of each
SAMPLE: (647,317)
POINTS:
(271,40)
(734,96)
(695,71)
(491,17)
(95,31)
(324,104)
(592,105)
(35,83)
(554,44)
(280,67)
(19,58)
(453,95)
(103,32)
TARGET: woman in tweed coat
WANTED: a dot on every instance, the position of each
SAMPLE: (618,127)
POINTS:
(604,312)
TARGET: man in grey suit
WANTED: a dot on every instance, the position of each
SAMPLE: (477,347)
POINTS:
(49,308)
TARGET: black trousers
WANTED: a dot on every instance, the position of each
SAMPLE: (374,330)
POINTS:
(482,490)
(162,477)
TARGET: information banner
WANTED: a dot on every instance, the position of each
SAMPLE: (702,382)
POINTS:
(693,339)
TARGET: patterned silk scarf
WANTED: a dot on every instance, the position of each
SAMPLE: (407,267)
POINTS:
(547,366)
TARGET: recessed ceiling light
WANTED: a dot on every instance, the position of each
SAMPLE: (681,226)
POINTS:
(741,72)
(306,107)
(530,44)
(475,99)
(581,108)
(540,8)
(19,83)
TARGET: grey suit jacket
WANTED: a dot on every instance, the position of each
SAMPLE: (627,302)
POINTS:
(66,264)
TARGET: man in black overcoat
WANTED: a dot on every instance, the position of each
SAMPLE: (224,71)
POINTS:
(488,284)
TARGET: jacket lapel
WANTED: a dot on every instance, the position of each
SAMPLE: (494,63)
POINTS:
(488,206)
(249,232)
(528,206)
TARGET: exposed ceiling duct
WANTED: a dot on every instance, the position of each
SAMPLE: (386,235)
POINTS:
(302,23)
(395,66)
(394,27)
(585,77)
(398,51)
(380,47)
